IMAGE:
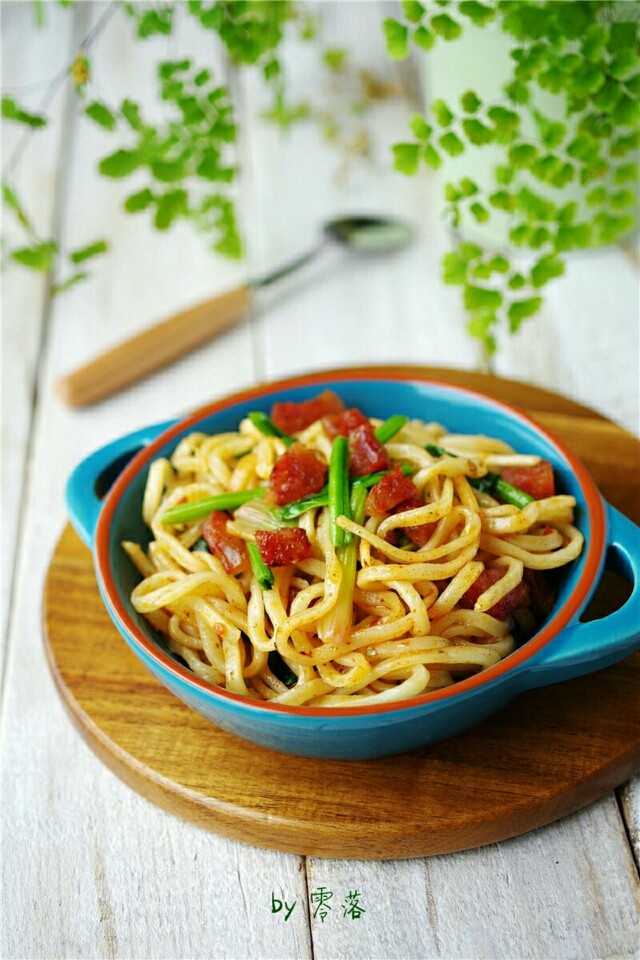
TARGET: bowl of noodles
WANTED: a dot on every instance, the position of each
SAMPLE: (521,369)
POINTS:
(354,564)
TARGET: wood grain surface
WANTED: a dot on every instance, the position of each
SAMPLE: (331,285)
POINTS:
(548,753)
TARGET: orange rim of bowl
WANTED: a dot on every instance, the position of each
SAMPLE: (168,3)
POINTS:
(592,561)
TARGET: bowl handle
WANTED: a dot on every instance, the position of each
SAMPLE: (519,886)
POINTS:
(584,647)
(92,478)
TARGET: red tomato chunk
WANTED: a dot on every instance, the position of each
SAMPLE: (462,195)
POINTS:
(366,453)
(341,424)
(293,417)
(279,548)
(295,474)
(516,599)
(230,550)
(390,491)
(537,481)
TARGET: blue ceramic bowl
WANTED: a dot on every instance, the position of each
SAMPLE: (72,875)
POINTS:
(564,647)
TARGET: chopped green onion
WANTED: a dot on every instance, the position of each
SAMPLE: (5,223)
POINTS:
(183,512)
(281,669)
(338,488)
(266,426)
(490,483)
(200,545)
(337,623)
(390,427)
(320,499)
(261,571)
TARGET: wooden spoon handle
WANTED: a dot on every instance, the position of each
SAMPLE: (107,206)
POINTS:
(152,349)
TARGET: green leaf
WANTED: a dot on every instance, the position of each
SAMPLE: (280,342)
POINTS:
(593,42)
(503,117)
(625,173)
(534,206)
(481,298)
(446,27)
(452,144)
(406,157)
(480,327)
(476,131)
(623,199)
(504,175)
(424,38)
(470,102)
(91,250)
(442,113)
(419,127)
(11,111)
(470,251)
(587,80)
(520,310)
(11,200)
(413,11)
(100,114)
(522,155)
(131,112)
(621,34)
(478,13)
(546,269)
(596,197)
(335,59)
(520,235)
(480,212)
(633,85)
(170,206)
(169,171)
(155,21)
(38,257)
(468,187)
(552,133)
(70,281)
(623,64)
(397,38)
(431,157)
(451,193)
(454,268)
(611,228)
(139,201)
(503,200)
(516,281)
(570,236)
(517,92)
(562,176)
(120,164)
(626,112)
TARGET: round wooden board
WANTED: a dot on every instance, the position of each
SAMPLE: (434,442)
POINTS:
(548,753)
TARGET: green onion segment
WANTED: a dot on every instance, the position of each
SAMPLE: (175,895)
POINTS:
(183,512)
(390,427)
(490,483)
(338,488)
(261,571)
(266,426)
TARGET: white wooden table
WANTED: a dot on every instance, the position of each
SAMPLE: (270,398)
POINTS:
(90,868)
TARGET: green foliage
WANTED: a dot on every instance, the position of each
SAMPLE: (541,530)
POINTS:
(588,58)
(11,111)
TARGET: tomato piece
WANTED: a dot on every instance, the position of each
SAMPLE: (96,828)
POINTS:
(366,453)
(538,480)
(278,548)
(391,490)
(341,424)
(230,550)
(297,473)
(514,600)
(293,417)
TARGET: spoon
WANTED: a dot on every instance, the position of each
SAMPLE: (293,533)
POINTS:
(161,344)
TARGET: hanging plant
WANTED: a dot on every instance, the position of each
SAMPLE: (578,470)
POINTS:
(584,54)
